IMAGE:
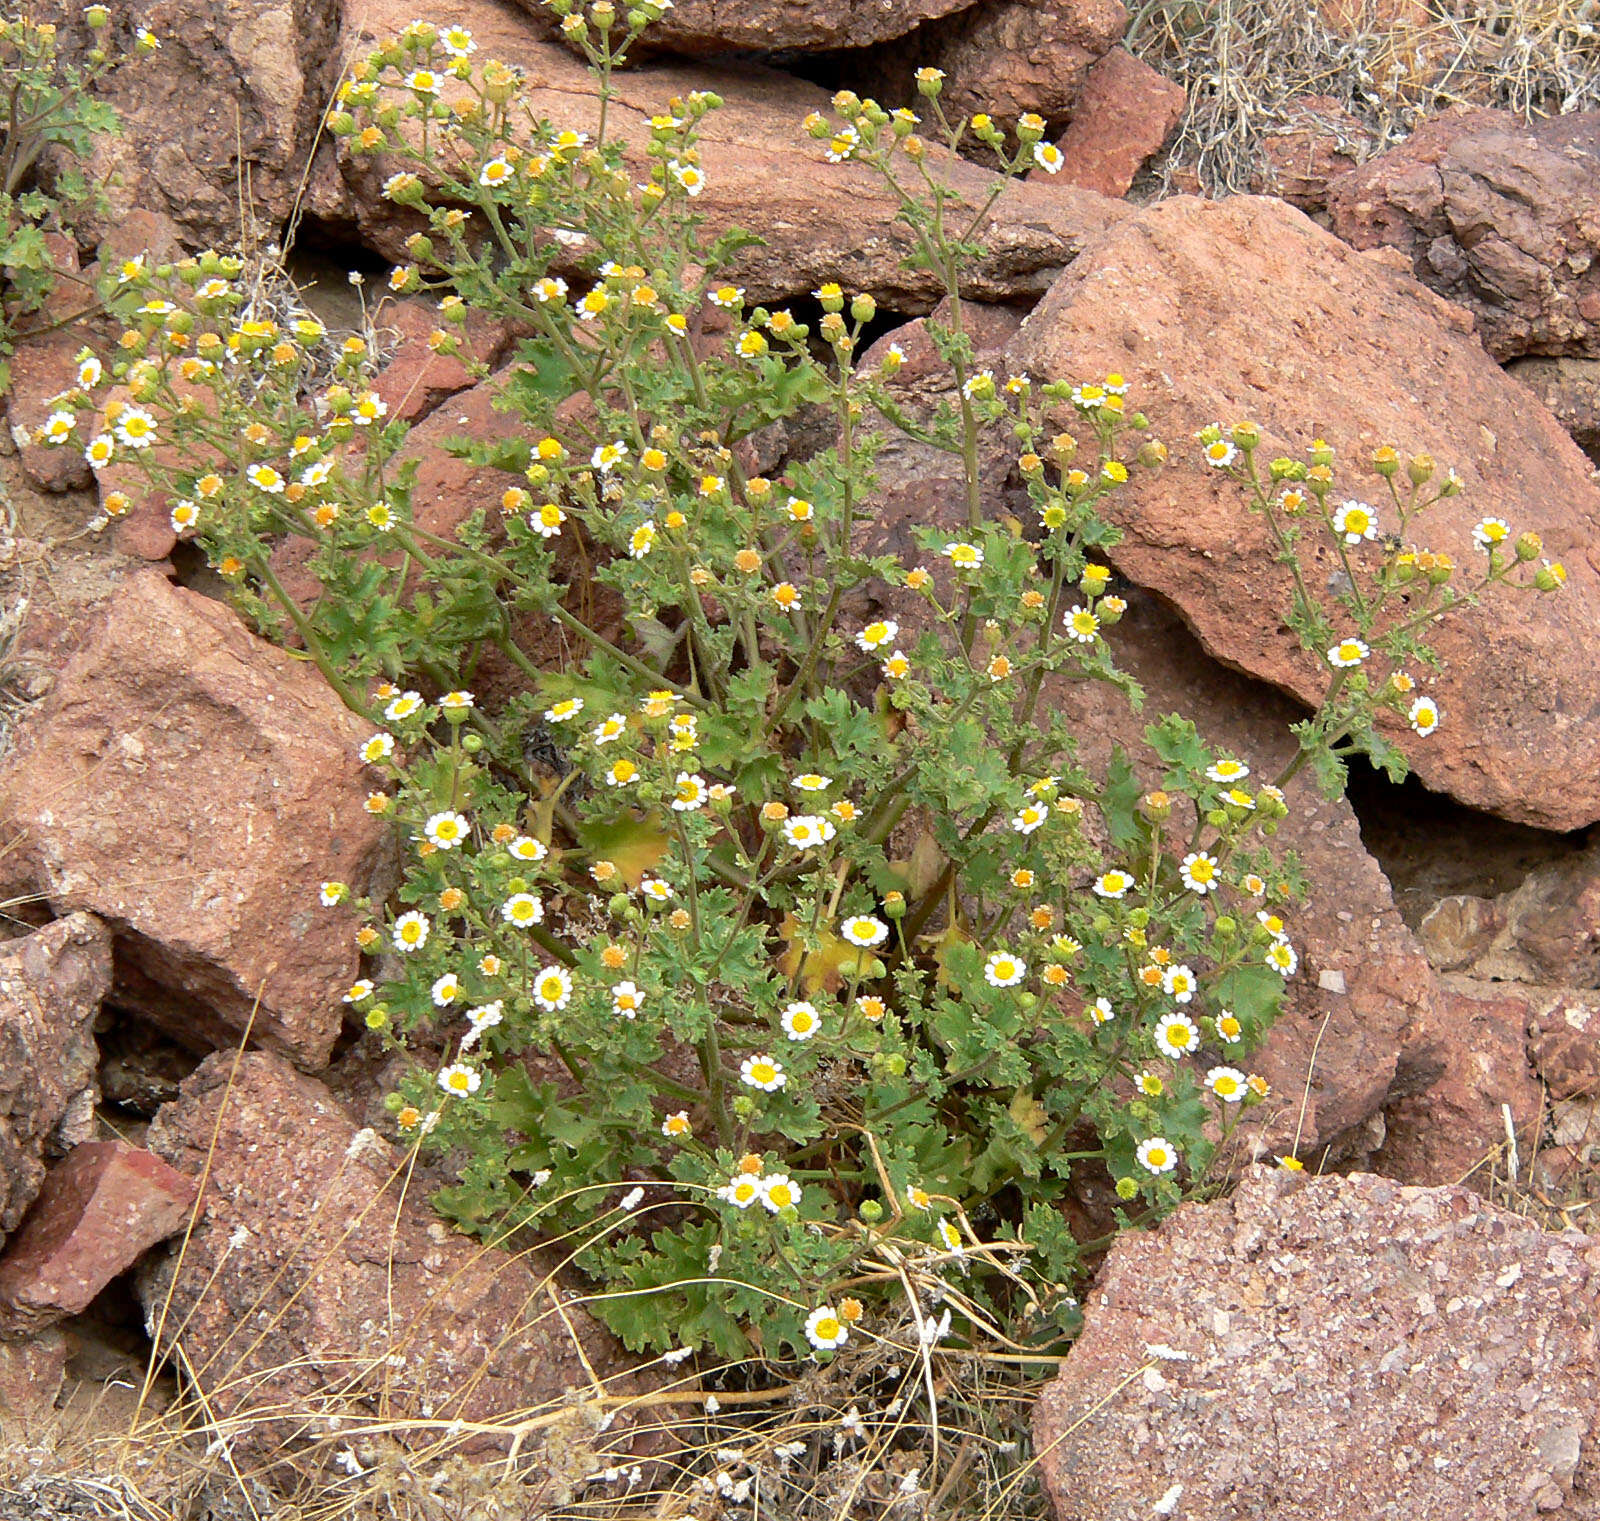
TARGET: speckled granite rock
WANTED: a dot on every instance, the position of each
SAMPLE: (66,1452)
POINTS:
(1332,1349)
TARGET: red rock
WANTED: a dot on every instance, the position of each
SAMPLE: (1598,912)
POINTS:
(1124,118)
(1245,309)
(31,1374)
(1464,1065)
(99,1211)
(1315,142)
(1564,1044)
(1496,214)
(62,970)
(195,786)
(819,221)
(316,1278)
(1012,56)
(217,125)
(1331,1349)
(43,367)
(415,380)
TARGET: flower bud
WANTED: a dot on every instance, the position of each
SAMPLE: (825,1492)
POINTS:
(1420,468)
(870,1210)
(1226,926)
(863,308)
(1152,454)
(1451,486)
(1386,461)
(1156,806)
(1127,1188)
(1550,577)
(1528,546)
(1247,435)
(97,16)
(618,905)
(1320,453)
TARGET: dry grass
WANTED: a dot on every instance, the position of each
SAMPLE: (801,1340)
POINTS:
(1390,62)
(899,1426)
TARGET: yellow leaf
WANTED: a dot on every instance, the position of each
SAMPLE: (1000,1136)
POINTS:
(1030,1116)
(826,969)
(635,843)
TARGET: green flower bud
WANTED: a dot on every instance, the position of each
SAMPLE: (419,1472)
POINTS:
(377,1018)
(1451,486)
(863,308)
(618,905)
(393,1103)
(744,1107)
(870,1210)
(1386,461)
(1152,453)
(1247,435)
(1217,818)
(1528,546)
(1226,926)
(1420,468)
(472,743)
(1127,1188)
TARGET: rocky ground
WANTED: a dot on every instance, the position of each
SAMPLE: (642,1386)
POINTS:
(1408,1327)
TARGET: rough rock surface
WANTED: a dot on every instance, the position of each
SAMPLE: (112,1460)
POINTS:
(765,26)
(100,1210)
(193,786)
(1246,309)
(315,1269)
(820,221)
(1332,1349)
(1011,56)
(1123,119)
(1570,388)
(219,123)
(51,984)
(1316,141)
(1495,214)
(31,1374)
(414,379)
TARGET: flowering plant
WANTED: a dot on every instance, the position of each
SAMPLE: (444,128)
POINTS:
(775,949)
(48,105)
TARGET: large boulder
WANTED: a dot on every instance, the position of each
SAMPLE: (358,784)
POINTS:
(1246,309)
(1332,1349)
(1499,215)
(218,125)
(51,985)
(194,787)
(818,221)
(318,1281)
